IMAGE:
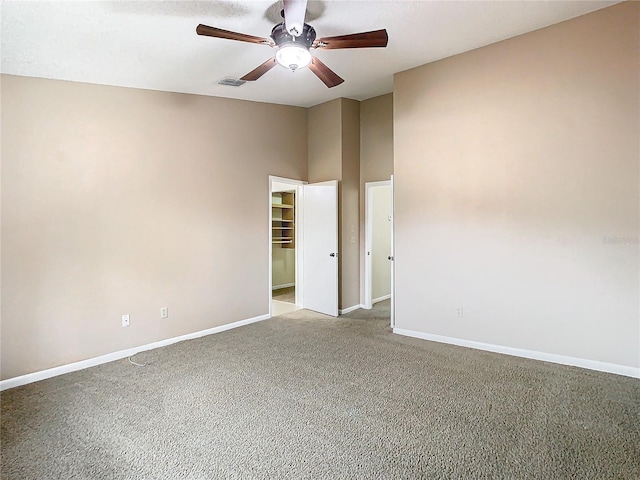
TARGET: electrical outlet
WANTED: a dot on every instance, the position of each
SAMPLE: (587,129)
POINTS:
(125,320)
(164,312)
(459,312)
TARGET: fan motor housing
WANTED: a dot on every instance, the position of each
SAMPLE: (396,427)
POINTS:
(280,35)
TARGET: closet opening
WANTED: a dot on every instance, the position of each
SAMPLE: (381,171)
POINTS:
(379,267)
(284,245)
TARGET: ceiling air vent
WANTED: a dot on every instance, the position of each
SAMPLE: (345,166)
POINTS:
(231,82)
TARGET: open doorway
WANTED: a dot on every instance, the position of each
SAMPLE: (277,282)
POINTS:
(378,243)
(285,244)
(303,227)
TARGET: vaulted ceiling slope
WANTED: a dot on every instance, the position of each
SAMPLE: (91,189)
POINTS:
(153,44)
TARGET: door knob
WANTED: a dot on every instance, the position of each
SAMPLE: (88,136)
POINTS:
(333,254)
(389,257)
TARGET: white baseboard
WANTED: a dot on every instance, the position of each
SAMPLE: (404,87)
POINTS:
(350,309)
(381,299)
(519,352)
(286,285)
(110,357)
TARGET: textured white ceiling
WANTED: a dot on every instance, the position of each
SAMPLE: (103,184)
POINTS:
(153,44)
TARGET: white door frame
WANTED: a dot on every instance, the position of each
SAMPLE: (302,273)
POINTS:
(298,255)
(368,238)
(393,254)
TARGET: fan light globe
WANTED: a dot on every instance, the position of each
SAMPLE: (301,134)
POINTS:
(293,56)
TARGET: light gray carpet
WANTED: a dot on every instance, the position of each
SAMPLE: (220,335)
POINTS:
(285,294)
(308,396)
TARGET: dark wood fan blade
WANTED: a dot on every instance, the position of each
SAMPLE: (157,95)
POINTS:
(376,38)
(324,73)
(220,33)
(261,70)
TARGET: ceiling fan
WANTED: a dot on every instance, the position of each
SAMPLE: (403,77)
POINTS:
(293,39)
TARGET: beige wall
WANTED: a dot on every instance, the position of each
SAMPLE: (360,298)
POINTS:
(376,155)
(325,141)
(349,204)
(122,201)
(376,139)
(515,166)
(283,267)
(334,154)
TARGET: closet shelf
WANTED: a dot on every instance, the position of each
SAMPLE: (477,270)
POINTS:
(283,220)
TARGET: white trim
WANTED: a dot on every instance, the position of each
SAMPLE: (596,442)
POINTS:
(393,253)
(285,285)
(110,357)
(532,354)
(350,309)
(381,299)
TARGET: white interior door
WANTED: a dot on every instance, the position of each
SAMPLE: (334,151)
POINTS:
(320,252)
